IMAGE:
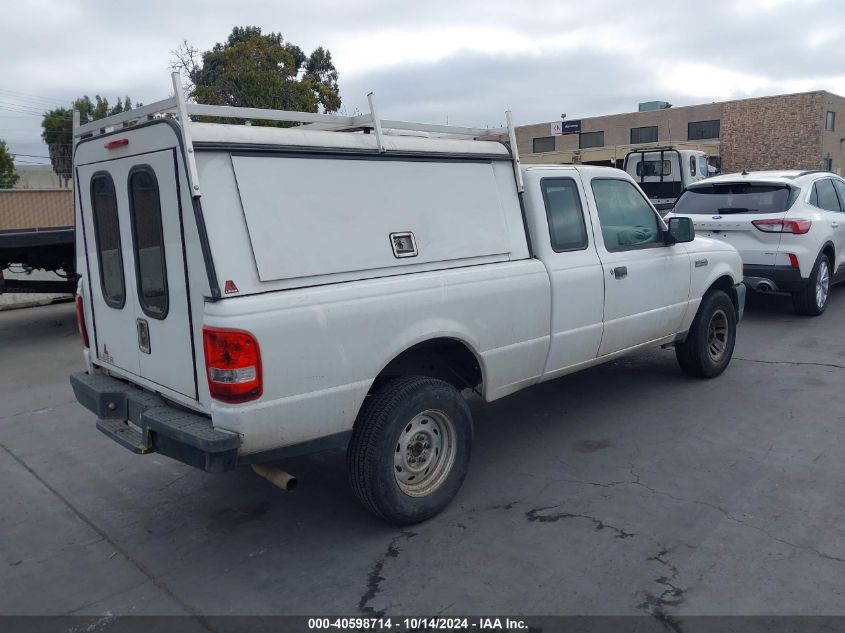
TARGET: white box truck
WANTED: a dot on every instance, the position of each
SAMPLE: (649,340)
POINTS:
(253,293)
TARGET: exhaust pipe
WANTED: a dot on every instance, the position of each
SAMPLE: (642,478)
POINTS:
(276,476)
(764,286)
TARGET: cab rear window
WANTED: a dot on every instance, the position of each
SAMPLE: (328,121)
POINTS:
(728,198)
(107,240)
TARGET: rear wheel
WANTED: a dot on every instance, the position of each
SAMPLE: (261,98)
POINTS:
(710,342)
(410,449)
(812,299)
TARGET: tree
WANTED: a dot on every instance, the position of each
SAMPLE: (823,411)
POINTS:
(8,177)
(57,128)
(257,70)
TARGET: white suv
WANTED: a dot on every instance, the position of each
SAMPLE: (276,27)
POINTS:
(789,227)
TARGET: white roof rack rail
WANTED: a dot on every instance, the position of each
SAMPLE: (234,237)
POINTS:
(179,108)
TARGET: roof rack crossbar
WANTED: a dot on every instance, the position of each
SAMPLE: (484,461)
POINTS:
(96,127)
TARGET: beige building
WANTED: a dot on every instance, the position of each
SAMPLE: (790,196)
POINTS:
(795,131)
(39,177)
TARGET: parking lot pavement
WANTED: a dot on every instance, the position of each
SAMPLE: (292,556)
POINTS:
(625,489)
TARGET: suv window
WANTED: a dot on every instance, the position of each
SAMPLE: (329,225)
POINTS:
(148,237)
(826,195)
(627,219)
(567,230)
(107,240)
(840,189)
(740,197)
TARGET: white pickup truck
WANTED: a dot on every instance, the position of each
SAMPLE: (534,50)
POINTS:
(252,293)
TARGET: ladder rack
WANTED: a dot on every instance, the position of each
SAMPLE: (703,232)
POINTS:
(179,108)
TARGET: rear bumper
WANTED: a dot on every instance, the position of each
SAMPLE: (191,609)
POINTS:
(181,435)
(782,278)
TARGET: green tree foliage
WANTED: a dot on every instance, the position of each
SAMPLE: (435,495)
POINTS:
(57,127)
(8,177)
(257,70)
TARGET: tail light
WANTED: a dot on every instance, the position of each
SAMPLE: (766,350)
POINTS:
(233,365)
(80,320)
(799,227)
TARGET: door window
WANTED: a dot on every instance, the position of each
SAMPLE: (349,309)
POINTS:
(627,219)
(107,239)
(692,165)
(563,210)
(826,195)
(151,270)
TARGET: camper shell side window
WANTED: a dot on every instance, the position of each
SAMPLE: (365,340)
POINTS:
(148,241)
(107,240)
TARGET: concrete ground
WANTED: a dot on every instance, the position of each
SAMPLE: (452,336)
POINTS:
(626,489)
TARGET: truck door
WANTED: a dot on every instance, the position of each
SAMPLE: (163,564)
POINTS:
(646,283)
(132,221)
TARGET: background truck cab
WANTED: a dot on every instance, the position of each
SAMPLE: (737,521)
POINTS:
(663,172)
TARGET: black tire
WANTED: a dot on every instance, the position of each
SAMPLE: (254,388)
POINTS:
(806,300)
(374,450)
(701,355)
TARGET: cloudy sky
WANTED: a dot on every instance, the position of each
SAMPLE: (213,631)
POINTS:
(437,60)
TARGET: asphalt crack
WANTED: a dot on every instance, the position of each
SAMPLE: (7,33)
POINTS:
(672,595)
(789,362)
(375,578)
(536,515)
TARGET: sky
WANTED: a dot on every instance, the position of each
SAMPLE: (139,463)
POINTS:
(462,62)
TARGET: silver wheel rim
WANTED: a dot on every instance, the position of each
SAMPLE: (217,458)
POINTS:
(424,453)
(822,284)
(717,335)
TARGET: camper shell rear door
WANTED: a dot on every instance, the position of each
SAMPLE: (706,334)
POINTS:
(131,186)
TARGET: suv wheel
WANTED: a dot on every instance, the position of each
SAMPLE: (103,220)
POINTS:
(812,299)
(410,449)
(711,338)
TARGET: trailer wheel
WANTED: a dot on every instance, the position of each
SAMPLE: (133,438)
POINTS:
(711,338)
(410,449)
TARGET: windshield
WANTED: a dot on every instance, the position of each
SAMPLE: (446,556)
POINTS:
(728,198)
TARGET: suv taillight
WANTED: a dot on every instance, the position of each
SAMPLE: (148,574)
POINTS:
(80,321)
(799,227)
(232,364)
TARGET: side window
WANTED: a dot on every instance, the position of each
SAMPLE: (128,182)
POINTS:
(627,219)
(827,195)
(151,271)
(567,230)
(692,165)
(840,189)
(107,239)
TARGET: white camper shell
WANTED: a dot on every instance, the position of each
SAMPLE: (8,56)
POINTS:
(252,293)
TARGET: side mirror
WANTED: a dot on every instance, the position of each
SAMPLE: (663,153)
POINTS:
(680,230)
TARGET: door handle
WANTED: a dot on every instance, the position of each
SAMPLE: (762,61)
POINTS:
(620,272)
(834,224)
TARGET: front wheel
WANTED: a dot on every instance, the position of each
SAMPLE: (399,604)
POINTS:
(711,338)
(410,449)
(812,299)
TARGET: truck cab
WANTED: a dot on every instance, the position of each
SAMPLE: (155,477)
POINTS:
(663,172)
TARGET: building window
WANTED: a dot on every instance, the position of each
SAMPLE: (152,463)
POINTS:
(830,121)
(544,144)
(644,134)
(827,164)
(591,139)
(697,130)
